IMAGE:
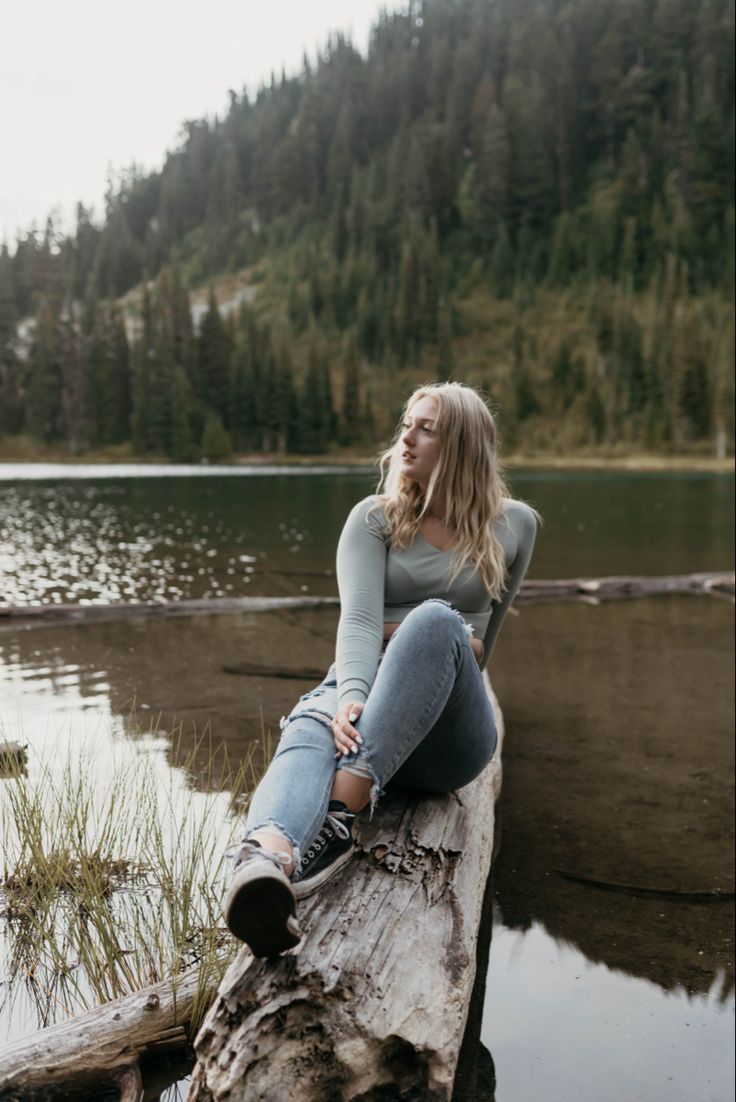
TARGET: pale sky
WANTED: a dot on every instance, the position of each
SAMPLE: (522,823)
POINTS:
(87,84)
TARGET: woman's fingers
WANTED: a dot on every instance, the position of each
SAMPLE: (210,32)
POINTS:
(347,738)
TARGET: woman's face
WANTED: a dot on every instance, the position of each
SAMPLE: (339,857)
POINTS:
(418,443)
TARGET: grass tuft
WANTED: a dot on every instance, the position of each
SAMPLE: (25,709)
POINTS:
(113,871)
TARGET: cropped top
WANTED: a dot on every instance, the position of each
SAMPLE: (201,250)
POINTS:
(379,584)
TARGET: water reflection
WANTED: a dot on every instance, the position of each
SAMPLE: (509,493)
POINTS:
(617,764)
(618,768)
(613,1037)
(169,674)
(168,535)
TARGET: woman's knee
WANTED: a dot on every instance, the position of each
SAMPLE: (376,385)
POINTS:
(305,732)
(435,616)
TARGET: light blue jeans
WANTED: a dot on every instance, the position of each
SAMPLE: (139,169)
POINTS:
(427,725)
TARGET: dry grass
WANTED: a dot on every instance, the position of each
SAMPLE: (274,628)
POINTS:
(107,888)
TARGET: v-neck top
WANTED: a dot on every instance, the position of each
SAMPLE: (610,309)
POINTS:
(422,571)
(379,584)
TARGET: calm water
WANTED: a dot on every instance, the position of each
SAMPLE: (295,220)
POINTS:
(617,763)
(162,537)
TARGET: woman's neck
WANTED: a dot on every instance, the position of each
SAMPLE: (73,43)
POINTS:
(438,510)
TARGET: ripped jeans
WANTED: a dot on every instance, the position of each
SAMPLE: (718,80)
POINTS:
(427,725)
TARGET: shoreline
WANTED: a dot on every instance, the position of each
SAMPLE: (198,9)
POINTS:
(636,462)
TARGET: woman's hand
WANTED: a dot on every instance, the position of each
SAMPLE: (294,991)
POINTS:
(347,739)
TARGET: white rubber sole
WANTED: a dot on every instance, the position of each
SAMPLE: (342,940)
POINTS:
(259,910)
(302,889)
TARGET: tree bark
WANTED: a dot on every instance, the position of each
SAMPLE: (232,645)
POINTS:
(373,1003)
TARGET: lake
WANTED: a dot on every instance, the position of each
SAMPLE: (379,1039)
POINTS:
(611,961)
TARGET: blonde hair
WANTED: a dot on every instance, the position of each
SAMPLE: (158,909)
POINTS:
(468,474)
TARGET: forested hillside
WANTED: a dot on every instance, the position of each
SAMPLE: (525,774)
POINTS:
(531,195)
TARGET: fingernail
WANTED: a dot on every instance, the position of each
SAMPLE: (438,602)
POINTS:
(359,738)
(353,716)
(354,748)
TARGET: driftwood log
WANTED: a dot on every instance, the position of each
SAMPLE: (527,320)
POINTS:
(373,1003)
(376,994)
(99,1052)
(620,586)
(30,615)
(587,589)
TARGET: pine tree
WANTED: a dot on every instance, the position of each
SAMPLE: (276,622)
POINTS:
(214,360)
(181,445)
(525,399)
(315,413)
(215,440)
(568,377)
(45,378)
(120,378)
(351,431)
(11,402)
(143,367)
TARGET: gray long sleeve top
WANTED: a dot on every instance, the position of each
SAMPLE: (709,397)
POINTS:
(379,584)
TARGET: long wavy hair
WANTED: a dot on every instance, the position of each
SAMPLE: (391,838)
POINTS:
(468,474)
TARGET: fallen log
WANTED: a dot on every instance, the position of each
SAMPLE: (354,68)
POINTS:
(377,992)
(588,589)
(30,615)
(101,1050)
(376,996)
(620,586)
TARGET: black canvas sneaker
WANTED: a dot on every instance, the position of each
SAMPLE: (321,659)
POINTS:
(260,903)
(329,852)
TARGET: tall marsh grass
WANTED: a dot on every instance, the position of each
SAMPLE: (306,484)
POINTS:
(113,871)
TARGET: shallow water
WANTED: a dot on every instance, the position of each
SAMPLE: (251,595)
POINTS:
(614,1037)
(617,764)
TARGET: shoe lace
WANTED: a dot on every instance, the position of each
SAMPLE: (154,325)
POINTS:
(334,824)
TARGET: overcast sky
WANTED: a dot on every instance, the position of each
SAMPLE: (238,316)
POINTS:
(85,84)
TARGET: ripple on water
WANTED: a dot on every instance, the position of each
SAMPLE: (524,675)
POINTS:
(59,546)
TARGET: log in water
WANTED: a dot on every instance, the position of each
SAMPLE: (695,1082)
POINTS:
(376,994)
(616,587)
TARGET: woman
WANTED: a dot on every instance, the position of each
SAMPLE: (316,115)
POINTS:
(426,572)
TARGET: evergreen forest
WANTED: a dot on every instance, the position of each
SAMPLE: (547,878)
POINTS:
(533,196)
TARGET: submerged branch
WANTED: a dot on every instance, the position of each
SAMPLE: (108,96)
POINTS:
(30,615)
(696,895)
(591,590)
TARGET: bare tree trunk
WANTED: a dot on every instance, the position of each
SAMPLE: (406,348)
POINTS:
(375,999)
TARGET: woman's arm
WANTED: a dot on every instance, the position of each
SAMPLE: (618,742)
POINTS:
(523,525)
(361,573)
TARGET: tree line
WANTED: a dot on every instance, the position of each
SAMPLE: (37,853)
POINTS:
(482,161)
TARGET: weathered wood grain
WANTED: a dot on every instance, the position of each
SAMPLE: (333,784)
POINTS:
(376,996)
(100,1049)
